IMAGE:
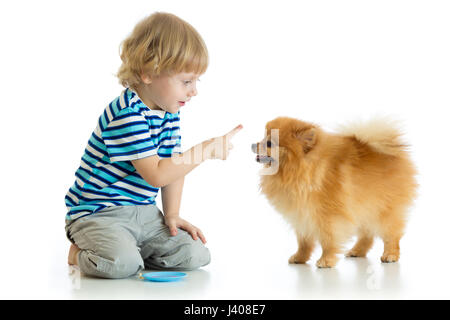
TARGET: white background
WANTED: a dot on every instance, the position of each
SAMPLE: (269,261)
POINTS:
(322,61)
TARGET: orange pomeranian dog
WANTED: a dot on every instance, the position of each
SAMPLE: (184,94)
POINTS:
(330,187)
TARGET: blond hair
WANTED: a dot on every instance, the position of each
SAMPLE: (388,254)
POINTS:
(162,43)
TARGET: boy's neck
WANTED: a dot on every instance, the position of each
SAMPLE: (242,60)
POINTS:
(140,91)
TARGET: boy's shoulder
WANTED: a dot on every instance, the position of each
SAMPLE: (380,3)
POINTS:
(128,103)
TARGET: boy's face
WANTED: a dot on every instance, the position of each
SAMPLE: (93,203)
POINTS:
(168,93)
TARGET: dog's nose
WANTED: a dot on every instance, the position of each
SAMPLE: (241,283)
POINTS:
(255,148)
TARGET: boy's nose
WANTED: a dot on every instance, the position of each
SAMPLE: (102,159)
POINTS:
(193,92)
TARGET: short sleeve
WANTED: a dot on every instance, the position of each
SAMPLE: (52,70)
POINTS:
(176,135)
(169,136)
(127,137)
(177,148)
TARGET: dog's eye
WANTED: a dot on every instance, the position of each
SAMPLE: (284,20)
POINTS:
(269,144)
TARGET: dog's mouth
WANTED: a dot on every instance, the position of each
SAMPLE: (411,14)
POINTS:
(264,159)
(261,158)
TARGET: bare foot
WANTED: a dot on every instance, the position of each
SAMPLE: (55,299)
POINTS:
(73,255)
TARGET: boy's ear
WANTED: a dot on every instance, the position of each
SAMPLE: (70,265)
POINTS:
(146,79)
(307,137)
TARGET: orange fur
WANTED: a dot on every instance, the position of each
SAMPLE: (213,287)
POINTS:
(330,187)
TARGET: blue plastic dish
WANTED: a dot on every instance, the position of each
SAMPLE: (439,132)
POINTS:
(163,276)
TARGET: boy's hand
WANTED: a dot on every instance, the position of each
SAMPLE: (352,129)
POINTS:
(174,222)
(219,148)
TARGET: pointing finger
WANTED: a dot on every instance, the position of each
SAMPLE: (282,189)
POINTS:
(233,132)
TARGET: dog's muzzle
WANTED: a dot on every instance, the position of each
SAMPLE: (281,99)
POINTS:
(261,158)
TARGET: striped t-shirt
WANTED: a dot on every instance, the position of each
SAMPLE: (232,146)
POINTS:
(127,130)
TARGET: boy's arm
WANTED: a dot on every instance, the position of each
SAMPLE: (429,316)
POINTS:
(171,199)
(162,172)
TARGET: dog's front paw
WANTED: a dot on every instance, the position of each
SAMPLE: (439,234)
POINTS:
(355,254)
(326,262)
(390,257)
(297,259)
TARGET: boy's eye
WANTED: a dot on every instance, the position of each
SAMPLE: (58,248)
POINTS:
(269,144)
(188,82)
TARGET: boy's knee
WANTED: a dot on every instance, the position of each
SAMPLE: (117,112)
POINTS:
(197,256)
(127,264)
(120,264)
(177,253)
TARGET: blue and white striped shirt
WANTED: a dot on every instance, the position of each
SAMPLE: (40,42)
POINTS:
(127,130)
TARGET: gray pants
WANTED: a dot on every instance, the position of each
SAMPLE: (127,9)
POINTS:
(118,242)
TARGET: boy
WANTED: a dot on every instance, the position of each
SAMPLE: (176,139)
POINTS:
(113,223)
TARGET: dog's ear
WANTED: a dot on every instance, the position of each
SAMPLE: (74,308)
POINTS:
(307,137)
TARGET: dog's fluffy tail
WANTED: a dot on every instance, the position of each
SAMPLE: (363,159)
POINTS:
(382,134)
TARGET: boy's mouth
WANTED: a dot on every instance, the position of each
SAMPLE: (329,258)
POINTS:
(181,103)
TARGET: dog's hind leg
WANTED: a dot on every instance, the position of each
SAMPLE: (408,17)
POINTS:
(393,225)
(391,249)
